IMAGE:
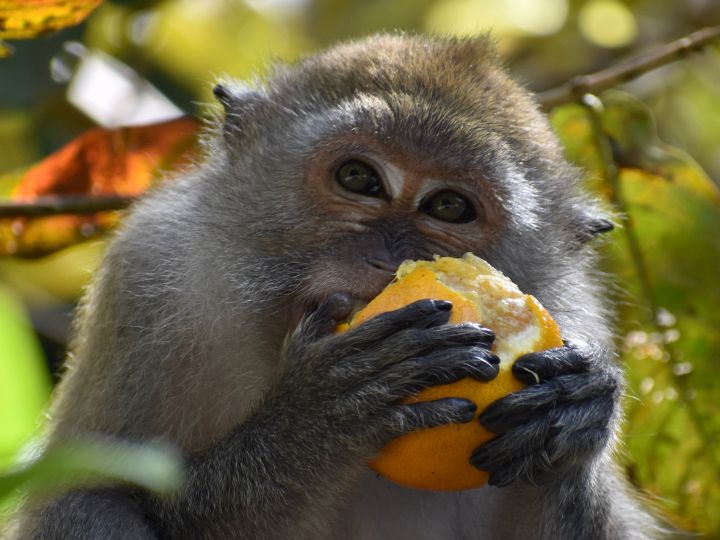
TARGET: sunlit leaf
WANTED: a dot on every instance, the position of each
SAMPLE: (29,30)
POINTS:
(24,380)
(87,462)
(572,124)
(666,261)
(56,279)
(631,128)
(193,41)
(100,162)
(9,182)
(23,19)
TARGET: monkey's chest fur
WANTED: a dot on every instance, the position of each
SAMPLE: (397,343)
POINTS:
(378,509)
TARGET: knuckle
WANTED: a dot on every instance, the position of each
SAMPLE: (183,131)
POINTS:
(372,392)
(416,338)
(478,331)
(403,419)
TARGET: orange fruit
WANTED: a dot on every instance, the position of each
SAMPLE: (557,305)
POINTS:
(438,458)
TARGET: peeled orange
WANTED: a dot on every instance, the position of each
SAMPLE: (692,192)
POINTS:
(438,458)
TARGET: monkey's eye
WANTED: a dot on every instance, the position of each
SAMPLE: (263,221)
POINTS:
(359,177)
(450,206)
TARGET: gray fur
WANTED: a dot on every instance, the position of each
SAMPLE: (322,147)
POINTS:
(183,333)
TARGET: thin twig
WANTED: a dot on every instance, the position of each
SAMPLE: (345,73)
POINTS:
(572,90)
(611,175)
(622,72)
(65,204)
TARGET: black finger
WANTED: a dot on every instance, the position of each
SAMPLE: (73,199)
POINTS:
(540,465)
(451,365)
(526,442)
(415,342)
(550,441)
(459,334)
(408,377)
(514,409)
(420,314)
(429,414)
(519,406)
(505,417)
(539,367)
(324,320)
(405,378)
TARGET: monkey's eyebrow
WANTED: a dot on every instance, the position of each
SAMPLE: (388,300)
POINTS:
(363,112)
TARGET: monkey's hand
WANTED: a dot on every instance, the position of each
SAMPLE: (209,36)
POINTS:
(346,389)
(561,420)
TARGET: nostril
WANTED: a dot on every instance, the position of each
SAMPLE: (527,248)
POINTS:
(381,264)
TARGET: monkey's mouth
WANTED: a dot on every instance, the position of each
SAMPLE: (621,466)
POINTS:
(362,282)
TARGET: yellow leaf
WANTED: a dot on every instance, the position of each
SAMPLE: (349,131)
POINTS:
(24,19)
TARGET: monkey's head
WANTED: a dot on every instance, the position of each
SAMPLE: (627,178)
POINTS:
(336,169)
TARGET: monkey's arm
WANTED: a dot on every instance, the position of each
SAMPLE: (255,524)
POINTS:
(557,423)
(555,441)
(282,472)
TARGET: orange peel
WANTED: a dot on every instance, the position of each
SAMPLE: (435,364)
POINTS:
(438,458)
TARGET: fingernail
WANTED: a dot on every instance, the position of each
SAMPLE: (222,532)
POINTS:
(463,405)
(466,409)
(470,407)
(526,375)
(442,305)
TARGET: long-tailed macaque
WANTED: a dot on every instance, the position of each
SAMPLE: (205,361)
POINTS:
(210,322)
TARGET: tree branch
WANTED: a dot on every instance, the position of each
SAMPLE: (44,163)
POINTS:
(624,71)
(572,90)
(65,204)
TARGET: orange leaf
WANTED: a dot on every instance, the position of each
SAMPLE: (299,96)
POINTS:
(23,19)
(120,161)
(100,162)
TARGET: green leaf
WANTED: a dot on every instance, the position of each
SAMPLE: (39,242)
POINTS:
(24,380)
(91,462)
(24,391)
(666,261)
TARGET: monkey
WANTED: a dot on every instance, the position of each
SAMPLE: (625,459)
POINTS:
(210,322)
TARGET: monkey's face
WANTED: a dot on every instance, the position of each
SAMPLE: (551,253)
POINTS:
(372,204)
(367,195)
(353,161)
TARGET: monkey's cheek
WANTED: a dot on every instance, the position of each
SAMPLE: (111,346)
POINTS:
(295,313)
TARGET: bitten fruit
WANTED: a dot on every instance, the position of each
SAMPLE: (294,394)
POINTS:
(438,458)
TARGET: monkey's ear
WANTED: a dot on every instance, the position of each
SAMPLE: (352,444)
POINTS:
(592,226)
(224,95)
(241,105)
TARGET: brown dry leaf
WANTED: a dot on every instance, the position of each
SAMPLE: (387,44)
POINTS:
(100,162)
(24,19)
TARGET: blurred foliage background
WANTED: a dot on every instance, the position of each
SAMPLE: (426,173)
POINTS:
(140,61)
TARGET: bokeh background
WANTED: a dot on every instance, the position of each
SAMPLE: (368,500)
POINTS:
(133,62)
